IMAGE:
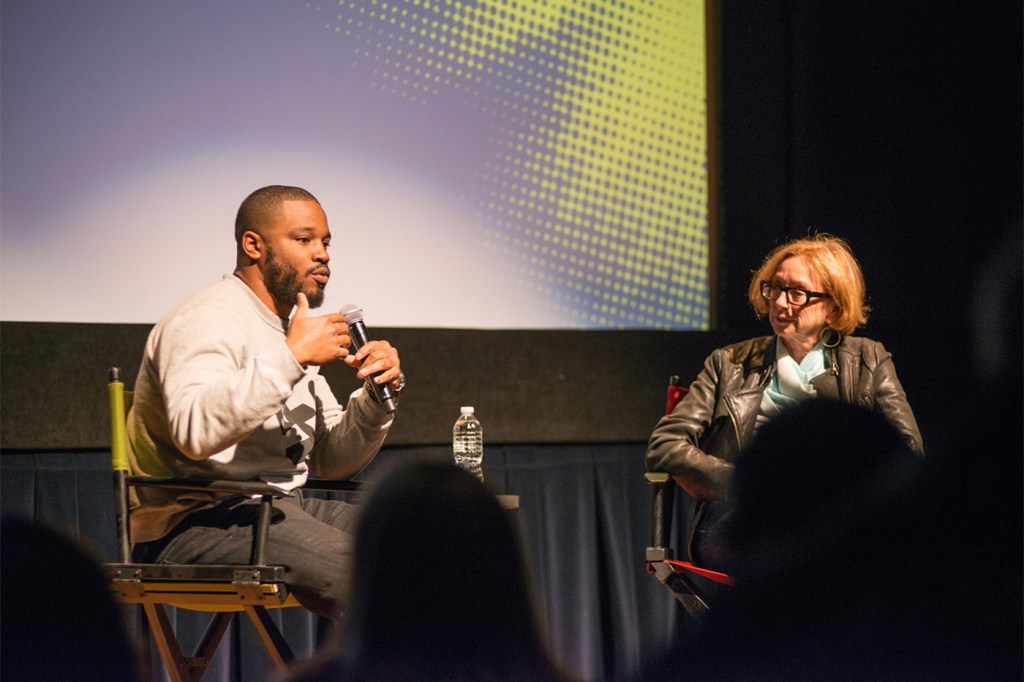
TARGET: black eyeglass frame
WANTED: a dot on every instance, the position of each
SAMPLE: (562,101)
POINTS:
(767,286)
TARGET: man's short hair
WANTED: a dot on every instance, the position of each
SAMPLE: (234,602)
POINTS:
(259,206)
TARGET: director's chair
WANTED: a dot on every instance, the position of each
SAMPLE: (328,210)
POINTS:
(680,577)
(224,590)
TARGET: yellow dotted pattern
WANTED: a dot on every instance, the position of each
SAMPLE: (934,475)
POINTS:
(599,191)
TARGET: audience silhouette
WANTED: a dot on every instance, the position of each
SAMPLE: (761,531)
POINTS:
(60,620)
(829,556)
(854,560)
(441,588)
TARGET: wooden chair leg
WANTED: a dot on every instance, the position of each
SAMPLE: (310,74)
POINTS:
(181,668)
(273,641)
(209,643)
(166,641)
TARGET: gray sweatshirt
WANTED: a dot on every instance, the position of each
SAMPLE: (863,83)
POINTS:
(220,395)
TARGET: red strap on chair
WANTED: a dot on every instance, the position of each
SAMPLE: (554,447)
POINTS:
(717,576)
(673,396)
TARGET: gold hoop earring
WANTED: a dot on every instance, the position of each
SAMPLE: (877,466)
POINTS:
(838,338)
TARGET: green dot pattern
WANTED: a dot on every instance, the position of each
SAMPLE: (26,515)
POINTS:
(597,192)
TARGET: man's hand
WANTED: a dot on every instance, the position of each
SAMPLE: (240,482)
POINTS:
(377,356)
(317,339)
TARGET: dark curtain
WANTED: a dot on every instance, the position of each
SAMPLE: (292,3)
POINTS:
(584,517)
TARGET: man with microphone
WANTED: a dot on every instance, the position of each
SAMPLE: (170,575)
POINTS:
(230,388)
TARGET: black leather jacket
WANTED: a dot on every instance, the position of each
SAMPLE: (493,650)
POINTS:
(699,441)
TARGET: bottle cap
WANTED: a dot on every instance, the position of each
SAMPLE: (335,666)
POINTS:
(466,409)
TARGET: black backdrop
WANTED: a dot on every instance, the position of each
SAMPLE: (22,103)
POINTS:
(897,126)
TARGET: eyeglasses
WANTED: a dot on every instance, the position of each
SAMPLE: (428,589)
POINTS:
(794,295)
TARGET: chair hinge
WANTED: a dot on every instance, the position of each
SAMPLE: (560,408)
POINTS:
(127,583)
(247,584)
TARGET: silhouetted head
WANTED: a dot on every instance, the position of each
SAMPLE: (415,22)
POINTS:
(60,618)
(816,465)
(440,582)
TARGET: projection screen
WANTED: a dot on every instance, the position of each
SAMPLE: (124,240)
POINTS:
(489,164)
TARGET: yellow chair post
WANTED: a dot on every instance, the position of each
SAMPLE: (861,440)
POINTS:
(119,461)
(118,433)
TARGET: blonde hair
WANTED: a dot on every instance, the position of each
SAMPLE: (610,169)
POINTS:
(833,260)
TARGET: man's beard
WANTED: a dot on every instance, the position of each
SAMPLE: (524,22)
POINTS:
(284,284)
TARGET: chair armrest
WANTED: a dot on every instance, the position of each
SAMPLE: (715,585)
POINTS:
(265,491)
(661,510)
(208,485)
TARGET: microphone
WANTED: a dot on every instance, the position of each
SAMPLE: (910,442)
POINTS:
(357,331)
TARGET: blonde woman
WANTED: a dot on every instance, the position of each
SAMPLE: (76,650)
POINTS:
(812,292)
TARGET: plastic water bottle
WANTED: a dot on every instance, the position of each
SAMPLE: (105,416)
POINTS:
(468,442)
